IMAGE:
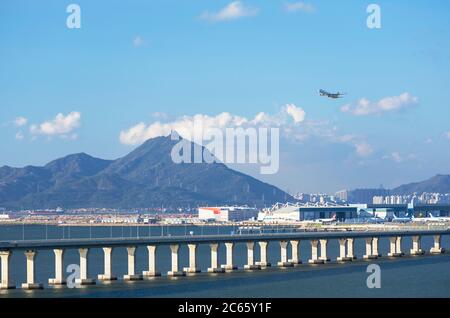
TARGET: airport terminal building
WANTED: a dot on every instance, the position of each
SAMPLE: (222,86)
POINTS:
(307,212)
(388,211)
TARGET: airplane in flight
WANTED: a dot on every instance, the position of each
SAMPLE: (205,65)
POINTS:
(330,95)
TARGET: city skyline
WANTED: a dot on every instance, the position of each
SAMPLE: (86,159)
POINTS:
(102,89)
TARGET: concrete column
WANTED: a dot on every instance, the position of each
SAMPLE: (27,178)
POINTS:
(416,246)
(350,248)
(131,251)
(263,254)
(5,282)
(323,250)
(369,253)
(314,253)
(59,268)
(393,247)
(375,247)
(250,257)
(175,272)
(283,258)
(343,251)
(107,272)
(31,284)
(84,280)
(229,261)
(151,262)
(214,260)
(437,249)
(192,269)
(398,246)
(295,260)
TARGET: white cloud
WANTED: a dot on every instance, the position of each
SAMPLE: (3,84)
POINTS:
(19,136)
(447,135)
(20,121)
(295,112)
(365,107)
(299,6)
(186,126)
(399,158)
(60,126)
(232,11)
(363,149)
(138,41)
(290,119)
(396,157)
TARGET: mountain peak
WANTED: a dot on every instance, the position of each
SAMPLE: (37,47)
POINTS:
(74,166)
(146,177)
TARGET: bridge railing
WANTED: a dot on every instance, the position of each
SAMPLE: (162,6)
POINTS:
(29,232)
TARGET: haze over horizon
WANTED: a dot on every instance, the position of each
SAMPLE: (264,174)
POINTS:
(129,74)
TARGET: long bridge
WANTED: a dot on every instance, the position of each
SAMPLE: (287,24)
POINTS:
(318,240)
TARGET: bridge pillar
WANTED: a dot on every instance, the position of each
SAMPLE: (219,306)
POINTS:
(314,253)
(295,260)
(369,253)
(416,246)
(263,254)
(350,248)
(31,272)
(283,257)
(437,249)
(398,246)
(375,247)
(343,251)
(59,268)
(393,251)
(229,261)
(151,262)
(5,282)
(175,272)
(131,251)
(107,271)
(84,280)
(250,257)
(192,269)
(323,250)
(214,260)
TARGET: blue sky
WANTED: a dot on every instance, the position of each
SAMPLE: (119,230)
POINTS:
(147,61)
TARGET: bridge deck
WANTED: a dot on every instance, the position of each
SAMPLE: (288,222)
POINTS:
(205,239)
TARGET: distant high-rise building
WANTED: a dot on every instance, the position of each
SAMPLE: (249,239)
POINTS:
(342,195)
(378,200)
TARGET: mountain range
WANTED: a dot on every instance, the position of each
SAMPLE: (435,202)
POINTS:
(146,177)
(437,184)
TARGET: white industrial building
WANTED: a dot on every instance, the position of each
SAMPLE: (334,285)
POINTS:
(227,213)
(306,212)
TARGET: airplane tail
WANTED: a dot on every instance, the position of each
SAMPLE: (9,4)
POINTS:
(334,217)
